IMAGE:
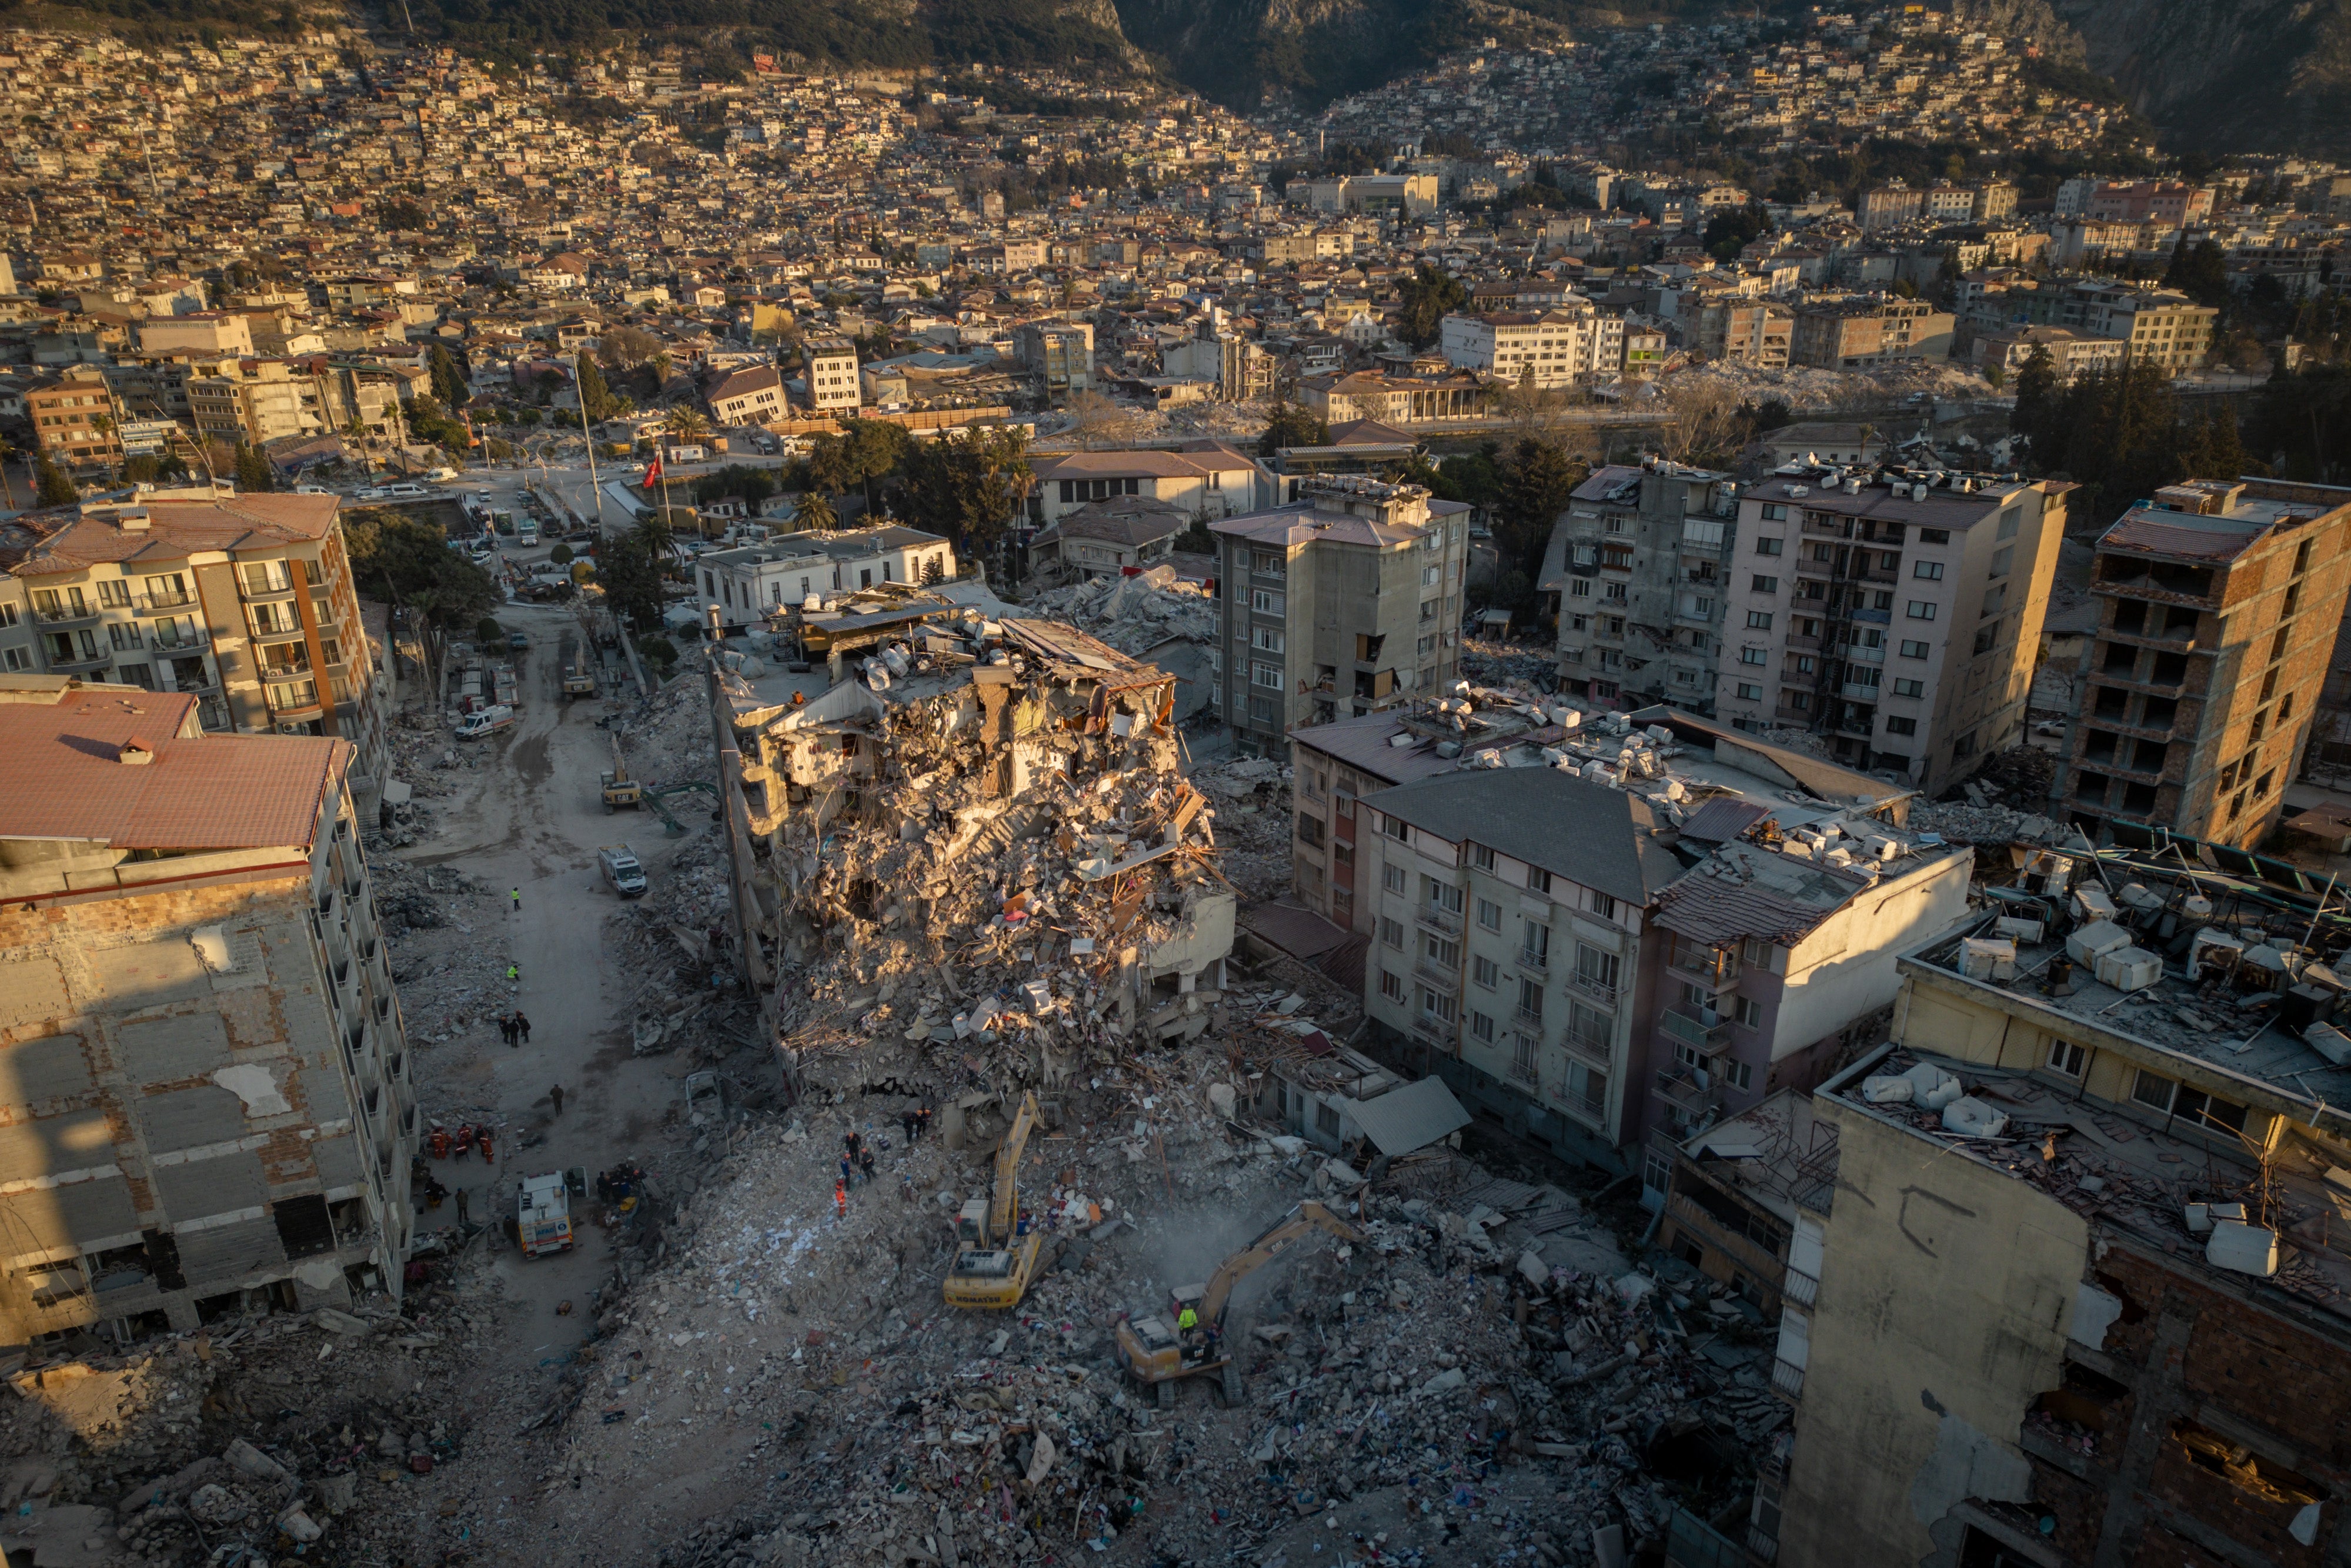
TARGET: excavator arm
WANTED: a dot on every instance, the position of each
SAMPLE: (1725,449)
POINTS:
(1276,1238)
(1007,1172)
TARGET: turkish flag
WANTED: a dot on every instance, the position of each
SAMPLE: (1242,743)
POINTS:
(653,470)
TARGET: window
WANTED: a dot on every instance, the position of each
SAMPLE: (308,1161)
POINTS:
(1749,692)
(1774,513)
(124,634)
(1769,546)
(1934,536)
(1437,1005)
(1749,1012)
(1987,639)
(1932,570)
(1766,584)
(1489,915)
(1603,905)
(8,616)
(1531,1000)
(2002,559)
(1392,932)
(267,577)
(1909,688)
(1445,953)
(1914,649)
(1391,986)
(2009,522)
(2066,1057)
(2153,1090)
(1594,967)
(1901,727)
(1267,639)
(1481,856)
(1522,1060)
(1534,946)
(1538,879)
(1266,602)
(1759,620)
(1485,972)
(1391,876)
(1481,1027)
(1753,656)
(16,658)
(1264,675)
(1995,600)
(1586,1090)
(1922,610)
(114,593)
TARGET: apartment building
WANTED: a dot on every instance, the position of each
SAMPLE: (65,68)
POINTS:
(260,400)
(2171,203)
(1661,965)
(2159,327)
(1898,619)
(2074,1301)
(1647,553)
(1564,346)
(1063,352)
(1344,600)
(1889,206)
(1750,331)
(1242,368)
(1206,478)
(210,1106)
(752,395)
(244,603)
(832,373)
(2219,607)
(2070,353)
(75,419)
(1846,334)
(746,586)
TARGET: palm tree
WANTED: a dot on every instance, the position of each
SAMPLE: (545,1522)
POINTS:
(685,424)
(815,514)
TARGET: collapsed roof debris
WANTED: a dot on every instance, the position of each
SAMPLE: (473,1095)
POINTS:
(983,837)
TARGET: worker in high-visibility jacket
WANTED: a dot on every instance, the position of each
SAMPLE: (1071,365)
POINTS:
(1187,1329)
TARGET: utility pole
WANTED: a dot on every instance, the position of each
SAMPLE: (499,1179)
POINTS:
(580,358)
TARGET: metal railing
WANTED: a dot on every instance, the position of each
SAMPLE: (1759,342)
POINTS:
(1786,1380)
(1799,1286)
(1445,920)
(1433,1029)
(1598,990)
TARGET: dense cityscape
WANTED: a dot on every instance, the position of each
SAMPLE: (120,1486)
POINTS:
(1582,809)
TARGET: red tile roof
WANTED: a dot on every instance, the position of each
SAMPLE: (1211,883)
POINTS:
(177,529)
(62,776)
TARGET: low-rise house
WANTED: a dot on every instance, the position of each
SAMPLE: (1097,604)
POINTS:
(1107,539)
(1203,480)
(749,584)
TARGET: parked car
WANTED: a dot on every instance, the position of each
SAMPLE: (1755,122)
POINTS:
(518,640)
(488,722)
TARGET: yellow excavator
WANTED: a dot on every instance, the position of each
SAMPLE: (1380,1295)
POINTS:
(1158,1356)
(994,1267)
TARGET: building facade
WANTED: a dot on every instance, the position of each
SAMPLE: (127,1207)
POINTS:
(746,586)
(1647,555)
(1345,599)
(1567,345)
(2219,604)
(244,602)
(832,373)
(1895,618)
(210,1107)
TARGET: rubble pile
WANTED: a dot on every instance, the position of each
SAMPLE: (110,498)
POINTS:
(331,1436)
(985,845)
(2002,803)
(1490,663)
(786,1387)
(1253,811)
(1136,614)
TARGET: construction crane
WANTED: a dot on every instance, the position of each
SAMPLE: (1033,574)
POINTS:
(994,1267)
(1159,1356)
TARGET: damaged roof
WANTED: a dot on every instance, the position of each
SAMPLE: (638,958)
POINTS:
(1591,834)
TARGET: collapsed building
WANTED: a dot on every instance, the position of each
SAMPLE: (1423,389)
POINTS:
(983,835)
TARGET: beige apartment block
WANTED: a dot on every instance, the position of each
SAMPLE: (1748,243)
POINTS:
(1347,599)
(2219,607)
(207,1108)
(832,373)
(245,603)
(1895,618)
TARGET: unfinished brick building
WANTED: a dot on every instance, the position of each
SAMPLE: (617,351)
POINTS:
(205,1107)
(2218,604)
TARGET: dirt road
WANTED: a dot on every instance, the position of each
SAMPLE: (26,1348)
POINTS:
(532,822)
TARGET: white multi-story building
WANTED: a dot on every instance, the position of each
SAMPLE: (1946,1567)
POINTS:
(833,385)
(1560,347)
(747,585)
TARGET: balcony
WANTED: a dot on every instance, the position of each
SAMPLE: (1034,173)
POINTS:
(61,615)
(1524,1073)
(1446,921)
(1859,691)
(1537,963)
(166,600)
(1434,1030)
(86,660)
(1799,1286)
(1708,1032)
(1787,1381)
(1598,990)
(1680,1087)
(1589,1043)
(1819,525)
(1804,645)
(1437,974)
(1717,967)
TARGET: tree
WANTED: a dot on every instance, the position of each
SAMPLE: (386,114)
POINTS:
(253,473)
(1428,296)
(595,397)
(2200,271)
(559,556)
(631,569)
(966,487)
(411,563)
(619,346)
(52,487)
(448,382)
(1097,418)
(488,633)
(1536,479)
(1291,425)
(815,514)
(685,424)
(867,452)
(2036,385)
(1702,421)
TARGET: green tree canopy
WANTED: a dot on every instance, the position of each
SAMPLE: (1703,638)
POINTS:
(1429,296)
(253,473)
(52,487)
(1291,425)
(631,567)
(966,487)
(448,382)
(595,397)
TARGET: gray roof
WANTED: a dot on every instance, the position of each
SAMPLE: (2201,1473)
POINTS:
(1587,832)
(1411,1117)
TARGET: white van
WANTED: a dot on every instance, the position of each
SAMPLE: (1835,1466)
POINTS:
(405,492)
(488,722)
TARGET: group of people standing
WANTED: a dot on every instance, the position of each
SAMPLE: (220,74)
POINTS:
(514,1029)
